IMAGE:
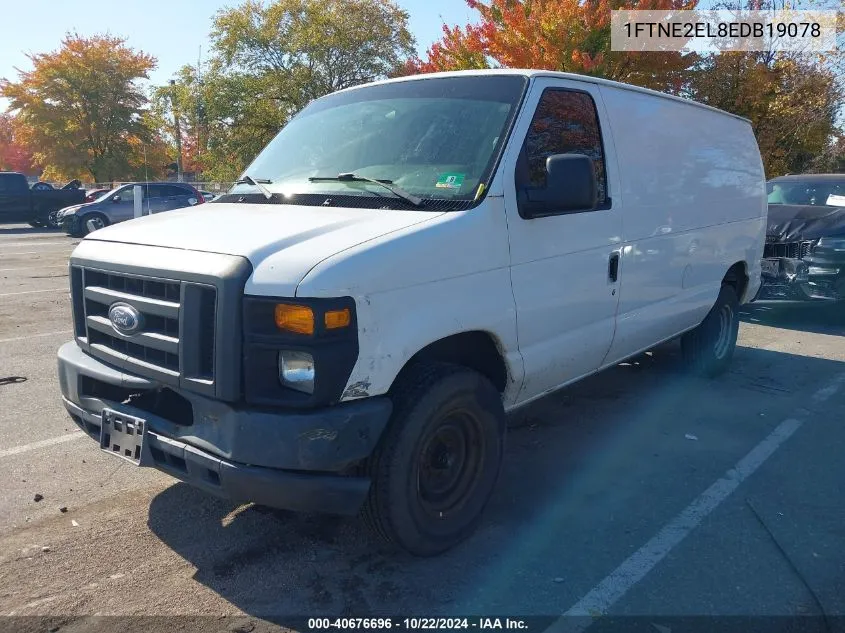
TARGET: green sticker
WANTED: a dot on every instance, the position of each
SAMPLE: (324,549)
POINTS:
(450,181)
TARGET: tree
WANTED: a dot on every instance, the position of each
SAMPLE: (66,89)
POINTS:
(562,35)
(269,60)
(81,107)
(792,102)
(14,156)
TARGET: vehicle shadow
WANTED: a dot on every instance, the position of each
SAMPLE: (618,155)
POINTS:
(819,318)
(571,501)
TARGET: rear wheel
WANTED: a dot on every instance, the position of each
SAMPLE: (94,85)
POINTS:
(709,348)
(437,464)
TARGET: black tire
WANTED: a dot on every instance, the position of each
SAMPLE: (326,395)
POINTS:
(53,219)
(82,223)
(708,349)
(438,461)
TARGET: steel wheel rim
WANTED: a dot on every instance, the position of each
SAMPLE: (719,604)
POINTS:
(723,340)
(448,464)
(97,223)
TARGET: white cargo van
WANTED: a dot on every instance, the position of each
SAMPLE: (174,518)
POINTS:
(404,263)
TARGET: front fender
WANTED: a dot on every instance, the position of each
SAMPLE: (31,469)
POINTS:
(393,326)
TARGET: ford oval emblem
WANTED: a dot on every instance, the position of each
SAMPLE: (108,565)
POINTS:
(124,318)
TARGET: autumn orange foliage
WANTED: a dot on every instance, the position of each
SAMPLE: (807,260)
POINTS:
(82,110)
(564,35)
(14,155)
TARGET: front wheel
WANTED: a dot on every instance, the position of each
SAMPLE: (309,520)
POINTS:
(437,464)
(92,222)
(708,349)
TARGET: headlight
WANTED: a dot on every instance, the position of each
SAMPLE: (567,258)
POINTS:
(296,370)
(833,243)
(288,341)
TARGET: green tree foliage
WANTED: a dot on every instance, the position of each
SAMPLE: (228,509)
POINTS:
(83,113)
(269,60)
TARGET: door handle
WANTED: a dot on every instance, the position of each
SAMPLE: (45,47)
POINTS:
(613,267)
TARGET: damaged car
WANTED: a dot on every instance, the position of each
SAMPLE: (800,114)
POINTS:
(804,255)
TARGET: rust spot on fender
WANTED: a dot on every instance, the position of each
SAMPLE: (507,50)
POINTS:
(357,390)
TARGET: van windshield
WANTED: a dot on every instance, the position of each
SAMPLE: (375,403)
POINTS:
(437,139)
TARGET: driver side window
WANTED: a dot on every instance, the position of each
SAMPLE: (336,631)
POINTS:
(565,122)
(127,195)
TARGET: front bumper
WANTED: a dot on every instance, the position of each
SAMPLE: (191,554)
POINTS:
(69,224)
(790,279)
(282,459)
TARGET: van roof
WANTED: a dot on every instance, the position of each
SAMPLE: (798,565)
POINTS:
(555,75)
(813,177)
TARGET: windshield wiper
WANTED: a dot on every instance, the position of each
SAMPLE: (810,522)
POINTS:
(387,184)
(257,182)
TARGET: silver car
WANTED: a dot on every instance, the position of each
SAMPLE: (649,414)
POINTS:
(119,204)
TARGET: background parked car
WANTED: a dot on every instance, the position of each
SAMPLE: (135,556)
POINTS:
(804,256)
(93,194)
(38,205)
(208,195)
(119,205)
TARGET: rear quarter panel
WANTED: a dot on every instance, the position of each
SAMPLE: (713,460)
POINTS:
(692,191)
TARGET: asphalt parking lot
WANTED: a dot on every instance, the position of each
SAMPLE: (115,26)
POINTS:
(639,492)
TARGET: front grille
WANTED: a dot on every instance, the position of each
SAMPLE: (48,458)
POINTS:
(165,289)
(792,250)
(176,337)
(151,355)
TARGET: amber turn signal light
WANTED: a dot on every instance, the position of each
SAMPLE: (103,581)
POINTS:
(337,319)
(299,319)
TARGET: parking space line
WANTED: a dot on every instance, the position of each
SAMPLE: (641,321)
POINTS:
(826,392)
(61,439)
(615,585)
(30,292)
(58,250)
(3,270)
(24,338)
(32,245)
(35,243)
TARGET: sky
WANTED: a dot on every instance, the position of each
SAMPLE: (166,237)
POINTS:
(171,30)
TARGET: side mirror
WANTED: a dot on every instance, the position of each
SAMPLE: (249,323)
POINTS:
(115,198)
(570,186)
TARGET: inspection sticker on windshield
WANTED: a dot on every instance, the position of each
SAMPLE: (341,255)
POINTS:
(450,181)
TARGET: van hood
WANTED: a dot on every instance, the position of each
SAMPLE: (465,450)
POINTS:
(282,242)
